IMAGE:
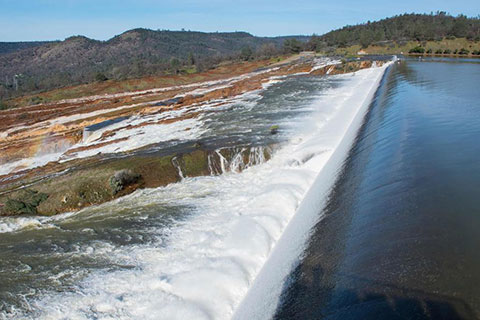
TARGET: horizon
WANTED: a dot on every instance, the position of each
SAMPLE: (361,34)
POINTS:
(50,20)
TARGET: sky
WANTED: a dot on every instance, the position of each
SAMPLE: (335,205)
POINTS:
(28,20)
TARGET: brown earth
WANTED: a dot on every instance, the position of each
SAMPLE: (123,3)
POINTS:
(78,183)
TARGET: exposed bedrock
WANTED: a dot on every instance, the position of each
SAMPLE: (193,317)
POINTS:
(114,178)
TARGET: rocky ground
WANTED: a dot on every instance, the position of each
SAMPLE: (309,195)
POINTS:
(53,156)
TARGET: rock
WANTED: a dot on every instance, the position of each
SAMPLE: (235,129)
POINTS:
(198,145)
(274,129)
(122,179)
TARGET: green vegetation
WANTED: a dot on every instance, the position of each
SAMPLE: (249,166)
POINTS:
(417,49)
(246,54)
(293,46)
(274,129)
(26,203)
(98,182)
(444,46)
(400,29)
(29,68)
(100,77)
(142,53)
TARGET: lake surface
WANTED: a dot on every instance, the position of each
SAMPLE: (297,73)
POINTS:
(400,235)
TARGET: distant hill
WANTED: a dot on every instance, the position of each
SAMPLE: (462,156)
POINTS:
(401,28)
(8,47)
(135,53)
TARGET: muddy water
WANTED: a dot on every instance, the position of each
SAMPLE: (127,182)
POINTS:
(400,235)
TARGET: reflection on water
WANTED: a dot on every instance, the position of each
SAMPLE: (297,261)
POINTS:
(400,235)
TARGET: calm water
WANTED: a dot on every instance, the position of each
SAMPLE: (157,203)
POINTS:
(400,237)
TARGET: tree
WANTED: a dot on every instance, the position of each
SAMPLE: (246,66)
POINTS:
(366,39)
(292,46)
(246,54)
(460,27)
(175,65)
(267,50)
(100,77)
(417,49)
(191,59)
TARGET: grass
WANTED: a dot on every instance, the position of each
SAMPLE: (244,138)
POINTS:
(404,48)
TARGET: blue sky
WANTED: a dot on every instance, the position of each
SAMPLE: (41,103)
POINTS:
(101,19)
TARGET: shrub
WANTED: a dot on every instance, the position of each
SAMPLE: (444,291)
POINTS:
(439,51)
(274,129)
(447,51)
(100,77)
(122,179)
(25,204)
(455,51)
(429,51)
(476,52)
(463,51)
(3,106)
(36,100)
(246,54)
(417,49)
(292,46)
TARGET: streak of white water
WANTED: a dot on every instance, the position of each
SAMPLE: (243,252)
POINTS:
(213,258)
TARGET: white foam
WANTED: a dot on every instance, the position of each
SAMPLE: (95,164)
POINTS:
(139,130)
(213,258)
(264,295)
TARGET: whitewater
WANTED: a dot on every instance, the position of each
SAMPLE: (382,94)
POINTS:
(228,258)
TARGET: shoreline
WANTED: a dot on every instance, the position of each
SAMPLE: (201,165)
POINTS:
(51,182)
(442,55)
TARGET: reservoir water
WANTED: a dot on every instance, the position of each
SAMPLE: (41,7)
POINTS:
(397,237)
(400,235)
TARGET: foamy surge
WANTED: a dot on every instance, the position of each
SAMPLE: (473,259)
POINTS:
(213,258)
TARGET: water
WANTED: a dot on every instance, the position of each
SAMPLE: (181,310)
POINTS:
(191,249)
(399,238)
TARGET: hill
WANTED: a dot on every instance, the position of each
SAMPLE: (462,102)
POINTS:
(8,47)
(135,53)
(399,30)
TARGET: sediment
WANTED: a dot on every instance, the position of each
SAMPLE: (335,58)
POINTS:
(74,184)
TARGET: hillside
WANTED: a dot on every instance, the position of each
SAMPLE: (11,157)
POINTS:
(400,29)
(135,53)
(8,47)
(445,47)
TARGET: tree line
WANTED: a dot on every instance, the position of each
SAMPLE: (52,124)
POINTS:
(400,28)
(134,54)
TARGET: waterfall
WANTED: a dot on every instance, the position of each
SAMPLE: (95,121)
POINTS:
(178,167)
(237,159)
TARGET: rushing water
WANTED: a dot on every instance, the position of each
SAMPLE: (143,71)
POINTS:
(399,238)
(122,259)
